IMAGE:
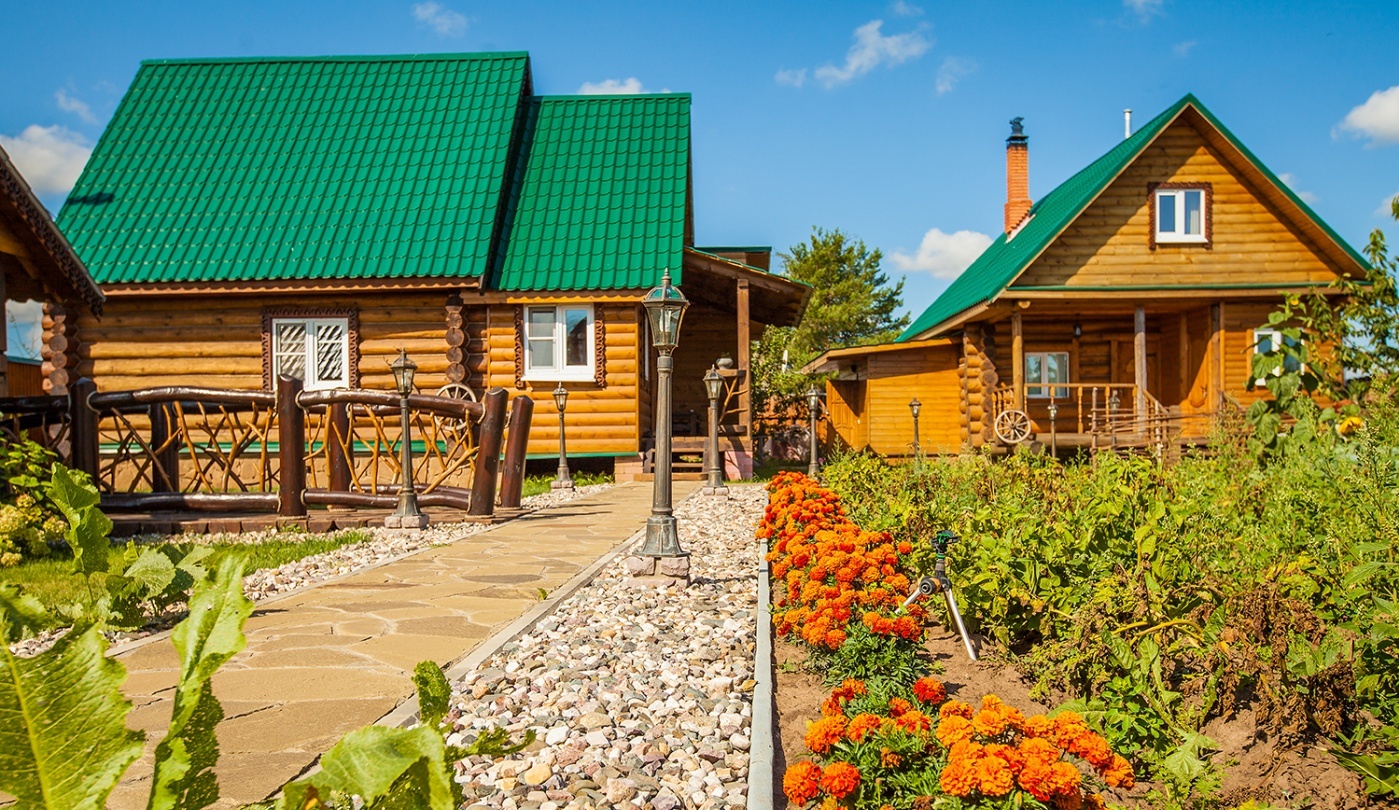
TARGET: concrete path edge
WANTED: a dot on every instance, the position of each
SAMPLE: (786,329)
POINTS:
(762,780)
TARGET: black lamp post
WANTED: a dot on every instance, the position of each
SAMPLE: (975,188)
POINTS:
(915,406)
(714,387)
(665,307)
(408,515)
(563,480)
(813,402)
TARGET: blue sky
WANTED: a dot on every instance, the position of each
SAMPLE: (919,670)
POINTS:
(884,119)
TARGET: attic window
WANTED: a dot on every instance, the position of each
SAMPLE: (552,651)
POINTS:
(1180,214)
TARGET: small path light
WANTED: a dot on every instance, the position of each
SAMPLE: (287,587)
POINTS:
(563,480)
(661,556)
(408,515)
(915,406)
(714,387)
(1053,430)
(813,403)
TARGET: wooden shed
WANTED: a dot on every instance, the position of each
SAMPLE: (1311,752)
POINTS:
(312,216)
(1132,298)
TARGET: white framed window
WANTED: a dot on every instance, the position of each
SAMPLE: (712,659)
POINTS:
(314,350)
(1266,340)
(1181,215)
(1046,367)
(559,342)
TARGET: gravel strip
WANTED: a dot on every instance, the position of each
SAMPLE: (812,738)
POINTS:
(382,546)
(640,697)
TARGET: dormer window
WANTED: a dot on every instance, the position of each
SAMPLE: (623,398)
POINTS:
(1181,214)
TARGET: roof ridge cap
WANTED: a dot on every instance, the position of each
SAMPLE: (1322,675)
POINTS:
(461,56)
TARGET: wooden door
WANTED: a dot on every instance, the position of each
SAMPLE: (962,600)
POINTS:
(1195,362)
(1124,364)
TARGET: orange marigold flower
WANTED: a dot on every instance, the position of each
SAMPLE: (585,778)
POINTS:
(1119,773)
(835,638)
(956,778)
(929,690)
(1036,778)
(802,782)
(1068,726)
(954,729)
(905,547)
(840,779)
(1064,778)
(914,721)
(862,724)
(989,723)
(956,707)
(853,687)
(993,776)
(831,707)
(822,734)
(898,706)
(1094,801)
(1038,752)
(907,628)
(889,759)
(1009,754)
(1038,726)
(1093,749)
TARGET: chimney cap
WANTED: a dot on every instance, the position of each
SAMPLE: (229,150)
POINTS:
(1017,131)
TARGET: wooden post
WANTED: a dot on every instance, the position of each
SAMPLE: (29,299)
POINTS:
(165,448)
(512,482)
(1139,357)
(745,339)
(340,447)
(82,428)
(488,453)
(1216,357)
(1017,359)
(291,448)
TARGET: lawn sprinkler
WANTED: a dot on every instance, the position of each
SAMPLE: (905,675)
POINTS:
(939,583)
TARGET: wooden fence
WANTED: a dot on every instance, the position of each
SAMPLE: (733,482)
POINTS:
(223,450)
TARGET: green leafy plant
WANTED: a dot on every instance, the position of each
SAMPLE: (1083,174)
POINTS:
(28,520)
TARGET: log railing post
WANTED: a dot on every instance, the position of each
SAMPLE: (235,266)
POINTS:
(165,447)
(291,448)
(82,428)
(488,453)
(340,447)
(512,482)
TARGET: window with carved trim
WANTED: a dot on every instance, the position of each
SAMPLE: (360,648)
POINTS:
(314,350)
(1182,215)
(559,342)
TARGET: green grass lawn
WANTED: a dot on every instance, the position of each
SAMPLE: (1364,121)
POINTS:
(539,484)
(52,581)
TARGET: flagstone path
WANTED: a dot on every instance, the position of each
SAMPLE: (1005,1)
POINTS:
(327,660)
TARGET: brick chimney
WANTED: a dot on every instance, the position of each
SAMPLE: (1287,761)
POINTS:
(1017,175)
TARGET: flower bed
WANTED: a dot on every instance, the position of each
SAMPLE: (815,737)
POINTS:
(888,735)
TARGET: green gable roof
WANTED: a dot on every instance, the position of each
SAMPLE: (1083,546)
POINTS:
(1006,258)
(600,197)
(300,168)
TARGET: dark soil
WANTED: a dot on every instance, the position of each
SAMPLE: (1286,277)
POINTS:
(1255,766)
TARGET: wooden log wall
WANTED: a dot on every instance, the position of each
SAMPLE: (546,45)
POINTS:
(930,373)
(706,335)
(979,377)
(1110,242)
(61,351)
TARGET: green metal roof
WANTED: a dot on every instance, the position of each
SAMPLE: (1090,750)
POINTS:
(300,168)
(600,196)
(1001,263)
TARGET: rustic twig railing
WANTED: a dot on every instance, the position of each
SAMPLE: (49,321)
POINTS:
(189,448)
(42,419)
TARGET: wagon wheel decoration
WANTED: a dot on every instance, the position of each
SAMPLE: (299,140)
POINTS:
(446,425)
(1012,426)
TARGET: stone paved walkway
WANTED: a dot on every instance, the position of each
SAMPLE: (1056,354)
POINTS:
(339,656)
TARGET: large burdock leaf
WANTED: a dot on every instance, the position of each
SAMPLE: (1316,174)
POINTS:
(205,640)
(88,528)
(63,736)
(386,767)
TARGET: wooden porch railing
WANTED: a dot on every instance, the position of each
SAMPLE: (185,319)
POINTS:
(208,449)
(1097,409)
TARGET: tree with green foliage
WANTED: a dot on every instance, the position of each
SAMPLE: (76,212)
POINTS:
(853,303)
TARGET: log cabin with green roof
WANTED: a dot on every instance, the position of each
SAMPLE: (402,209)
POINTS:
(1131,297)
(309,216)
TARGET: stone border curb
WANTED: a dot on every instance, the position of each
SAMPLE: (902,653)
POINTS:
(761,778)
(136,643)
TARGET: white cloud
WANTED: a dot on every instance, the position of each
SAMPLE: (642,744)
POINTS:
(629,86)
(903,8)
(50,158)
(1291,180)
(944,255)
(872,49)
(1183,49)
(953,69)
(795,78)
(1377,118)
(439,18)
(1145,9)
(1387,207)
(75,106)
